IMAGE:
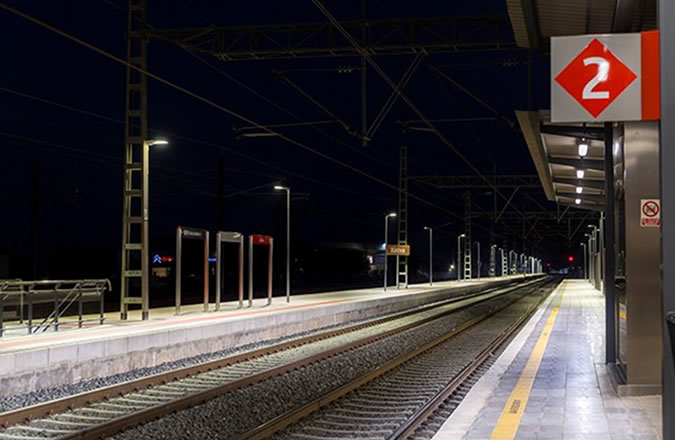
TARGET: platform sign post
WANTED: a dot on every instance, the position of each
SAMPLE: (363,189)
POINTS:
(236,238)
(260,240)
(194,234)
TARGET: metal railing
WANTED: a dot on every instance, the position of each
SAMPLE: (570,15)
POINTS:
(24,295)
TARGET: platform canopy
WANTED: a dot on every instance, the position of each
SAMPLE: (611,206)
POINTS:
(535,21)
(554,148)
(555,152)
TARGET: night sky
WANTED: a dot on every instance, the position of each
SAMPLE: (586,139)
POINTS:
(63,107)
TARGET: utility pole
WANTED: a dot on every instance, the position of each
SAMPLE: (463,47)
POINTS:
(467,236)
(135,276)
(431,254)
(402,261)
(221,192)
(364,71)
(34,204)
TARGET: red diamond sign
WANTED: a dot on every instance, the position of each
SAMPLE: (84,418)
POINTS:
(595,77)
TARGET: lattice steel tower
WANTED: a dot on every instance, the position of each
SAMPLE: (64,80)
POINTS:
(135,280)
(402,261)
(467,238)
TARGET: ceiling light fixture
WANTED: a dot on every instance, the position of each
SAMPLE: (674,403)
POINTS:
(583,147)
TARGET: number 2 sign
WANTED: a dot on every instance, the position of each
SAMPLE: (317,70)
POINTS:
(613,77)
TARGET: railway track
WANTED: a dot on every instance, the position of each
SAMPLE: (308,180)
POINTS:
(410,397)
(107,411)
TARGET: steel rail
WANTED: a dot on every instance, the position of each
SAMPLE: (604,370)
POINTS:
(422,414)
(284,420)
(118,424)
(40,410)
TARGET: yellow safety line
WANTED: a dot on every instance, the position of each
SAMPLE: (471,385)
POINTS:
(509,421)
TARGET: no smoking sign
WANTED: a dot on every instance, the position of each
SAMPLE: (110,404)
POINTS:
(650,213)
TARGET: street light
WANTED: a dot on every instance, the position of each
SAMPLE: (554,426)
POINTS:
(591,269)
(593,250)
(386,237)
(585,272)
(288,239)
(431,254)
(460,263)
(129,194)
(145,246)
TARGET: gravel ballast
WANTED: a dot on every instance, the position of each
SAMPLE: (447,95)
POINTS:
(240,411)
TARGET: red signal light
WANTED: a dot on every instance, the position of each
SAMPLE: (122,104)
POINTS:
(570,259)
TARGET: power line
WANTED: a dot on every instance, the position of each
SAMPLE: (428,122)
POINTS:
(263,97)
(214,104)
(404,97)
(112,161)
(189,139)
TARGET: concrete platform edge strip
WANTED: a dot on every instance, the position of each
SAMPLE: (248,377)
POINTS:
(44,367)
(476,399)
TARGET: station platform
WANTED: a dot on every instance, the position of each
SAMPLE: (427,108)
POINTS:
(551,382)
(69,356)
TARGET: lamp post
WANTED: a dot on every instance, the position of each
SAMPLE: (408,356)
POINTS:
(145,254)
(460,265)
(594,250)
(591,274)
(386,237)
(431,254)
(585,273)
(130,192)
(288,239)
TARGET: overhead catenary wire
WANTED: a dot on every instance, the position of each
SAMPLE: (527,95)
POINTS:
(216,105)
(111,161)
(261,96)
(196,141)
(319,4)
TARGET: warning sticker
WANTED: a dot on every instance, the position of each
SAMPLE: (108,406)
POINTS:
(650,213)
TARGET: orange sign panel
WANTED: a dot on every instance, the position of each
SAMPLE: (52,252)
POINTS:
(398,249)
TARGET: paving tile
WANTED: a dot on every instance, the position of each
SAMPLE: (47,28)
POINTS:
(572,396)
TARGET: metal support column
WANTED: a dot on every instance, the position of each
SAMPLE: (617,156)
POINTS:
(666,16)
(402,261)
(459,257)
(250,271)
(135,267)
(610,295)
(467,239)
(493,261)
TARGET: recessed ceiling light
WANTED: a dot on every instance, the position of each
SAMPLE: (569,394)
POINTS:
(579,190)
(580,174)
(583,147)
